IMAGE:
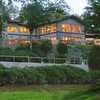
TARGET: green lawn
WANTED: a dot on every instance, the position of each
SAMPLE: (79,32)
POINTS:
(51,93)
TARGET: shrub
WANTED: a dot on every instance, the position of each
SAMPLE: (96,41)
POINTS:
(36,47)
(42,47)
(95,79)
(45,47)
(94,58)
(22,47)
(6,51)
(47,75)
(2,67)
(62,49)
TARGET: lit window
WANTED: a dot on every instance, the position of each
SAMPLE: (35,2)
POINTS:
(75,28)
(65,38)
(53,40)
(11,29)
(23,30)
(47,29)
(70,28)
(63,28)
(53,28)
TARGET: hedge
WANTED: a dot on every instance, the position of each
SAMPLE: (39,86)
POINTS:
(43,75)
(94,58)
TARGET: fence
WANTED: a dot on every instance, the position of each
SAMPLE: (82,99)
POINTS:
(28,59)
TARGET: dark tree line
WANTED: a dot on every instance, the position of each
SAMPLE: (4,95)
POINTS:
(92,16)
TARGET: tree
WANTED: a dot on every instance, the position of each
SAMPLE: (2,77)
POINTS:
(92,16)
(3,14)
(56,10)
(6,11)
(33,14)
(38,12)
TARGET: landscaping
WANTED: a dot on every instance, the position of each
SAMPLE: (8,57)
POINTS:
(69,92)
(64,40)
(61,74)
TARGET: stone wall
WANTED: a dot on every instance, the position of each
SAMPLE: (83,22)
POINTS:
(24,64)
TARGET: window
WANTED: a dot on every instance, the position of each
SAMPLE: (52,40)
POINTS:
(75,28)
(11,29)
(66,28)
(47,29)
(66,39)
(53,28)
(53,40)
(23,29)
(63,28)
(70,28)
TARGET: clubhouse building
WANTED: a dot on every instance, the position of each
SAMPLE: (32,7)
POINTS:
(68,29)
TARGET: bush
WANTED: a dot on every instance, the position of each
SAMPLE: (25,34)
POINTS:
(45,47)
(43,75)
(95,79)
(6,51)
(22,47)
(62,49)
(1,67)
(20,50)
(94,58)
(41,48)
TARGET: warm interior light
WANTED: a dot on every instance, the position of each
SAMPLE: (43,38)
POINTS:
(65,38)
(97,42)
(70,28)
(47,29)
(23,30)
(11,29)
(63,25)
(53,38)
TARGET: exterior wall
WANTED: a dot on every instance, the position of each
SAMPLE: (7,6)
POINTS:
(24,64)
(15,37)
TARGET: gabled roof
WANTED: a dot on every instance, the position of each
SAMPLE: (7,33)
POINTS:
(17,22)
(78,19)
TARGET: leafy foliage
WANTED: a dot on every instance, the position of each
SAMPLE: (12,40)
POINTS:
(38,12)
(39,48)
(7,11)
(92,16)
(94,57)
(43,75)
(62,49)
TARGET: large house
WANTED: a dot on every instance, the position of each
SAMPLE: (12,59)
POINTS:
(69,30)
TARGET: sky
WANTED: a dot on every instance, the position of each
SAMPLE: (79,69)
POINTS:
(77,6)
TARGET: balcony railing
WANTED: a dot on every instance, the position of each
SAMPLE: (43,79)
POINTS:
(27,59)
